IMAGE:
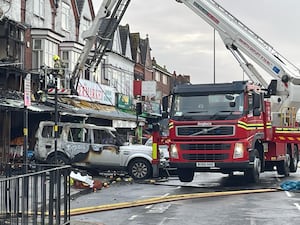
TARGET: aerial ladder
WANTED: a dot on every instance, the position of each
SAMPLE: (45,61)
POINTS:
(241,41)
(97,38)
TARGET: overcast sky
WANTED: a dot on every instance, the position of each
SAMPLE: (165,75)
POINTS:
(183,42)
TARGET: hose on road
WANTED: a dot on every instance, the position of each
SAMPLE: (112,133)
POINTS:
(156,200)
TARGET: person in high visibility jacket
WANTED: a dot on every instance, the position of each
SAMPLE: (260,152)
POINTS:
(58,65)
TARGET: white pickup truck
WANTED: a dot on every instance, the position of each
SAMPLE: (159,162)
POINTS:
(94,148)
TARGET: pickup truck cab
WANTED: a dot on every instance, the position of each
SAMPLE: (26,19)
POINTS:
(93,147)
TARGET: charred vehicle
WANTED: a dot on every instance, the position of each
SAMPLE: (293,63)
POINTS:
(97,148)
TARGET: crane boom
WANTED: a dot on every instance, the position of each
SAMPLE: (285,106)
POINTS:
(242,41)
(237,35)
(98,36)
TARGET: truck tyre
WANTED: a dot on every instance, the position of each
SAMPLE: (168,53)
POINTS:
(61,159)
(185,175)
(294,160)
(252,175)
(283,167)
(139,169)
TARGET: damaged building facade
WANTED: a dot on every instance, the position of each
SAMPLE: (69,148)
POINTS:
(31,34)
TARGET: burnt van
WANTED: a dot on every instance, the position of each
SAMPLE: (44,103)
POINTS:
(94,147)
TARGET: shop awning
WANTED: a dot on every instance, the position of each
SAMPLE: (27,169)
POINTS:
(17,104)
(96,110)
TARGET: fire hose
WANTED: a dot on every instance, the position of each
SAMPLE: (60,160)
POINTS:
(162,199)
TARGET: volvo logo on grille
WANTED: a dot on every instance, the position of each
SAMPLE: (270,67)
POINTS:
(205,131)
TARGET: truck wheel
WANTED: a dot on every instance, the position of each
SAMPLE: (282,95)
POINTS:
(139,169)
(283,168)
(294,160)
(252,175)
(185,175)
(61,159)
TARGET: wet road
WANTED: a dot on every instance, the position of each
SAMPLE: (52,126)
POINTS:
(280,207)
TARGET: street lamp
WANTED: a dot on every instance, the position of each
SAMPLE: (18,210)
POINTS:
(55,73)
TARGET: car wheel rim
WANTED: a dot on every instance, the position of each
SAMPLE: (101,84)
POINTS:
(139,170)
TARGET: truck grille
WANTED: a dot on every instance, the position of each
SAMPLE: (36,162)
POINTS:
(206,147)
(205,156)
(219,146)
(204,130)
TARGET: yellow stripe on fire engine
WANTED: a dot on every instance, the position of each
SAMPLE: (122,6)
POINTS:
(252,126)
(282,138)
(287,130)
(171,125)
(154,151)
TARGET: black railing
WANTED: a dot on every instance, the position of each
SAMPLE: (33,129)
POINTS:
(40,197)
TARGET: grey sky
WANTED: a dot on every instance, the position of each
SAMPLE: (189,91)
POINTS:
(183,42)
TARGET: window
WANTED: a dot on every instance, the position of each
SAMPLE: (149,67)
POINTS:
(51,49)
(65,59)
(85,24)
(38,8)
(78,135)
(65,15)
(37,54)
(103,137)
(43,52)
(48,131)
(165,79)
(157,76)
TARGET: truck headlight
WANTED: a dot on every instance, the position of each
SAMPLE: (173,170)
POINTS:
(238,151)
(173,152)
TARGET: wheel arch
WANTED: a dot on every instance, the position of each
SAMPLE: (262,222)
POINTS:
(137,156)
(59,153)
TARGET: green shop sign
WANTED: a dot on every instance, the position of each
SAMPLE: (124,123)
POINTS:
(124,102)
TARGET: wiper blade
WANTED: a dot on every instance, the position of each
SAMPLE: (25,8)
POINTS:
(194,112)
(220,112)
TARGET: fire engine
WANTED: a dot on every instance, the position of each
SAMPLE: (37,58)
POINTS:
(244,126)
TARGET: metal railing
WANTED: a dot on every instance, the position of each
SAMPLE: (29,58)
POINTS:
(40,197)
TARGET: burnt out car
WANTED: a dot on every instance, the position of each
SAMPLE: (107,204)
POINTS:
(93,147)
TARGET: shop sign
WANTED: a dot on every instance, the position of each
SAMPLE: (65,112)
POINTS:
(27,90)
(124,102)
(92,91)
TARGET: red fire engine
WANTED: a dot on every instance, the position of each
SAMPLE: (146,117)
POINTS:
(241,126)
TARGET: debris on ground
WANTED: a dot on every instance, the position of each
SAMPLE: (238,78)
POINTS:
(84,181)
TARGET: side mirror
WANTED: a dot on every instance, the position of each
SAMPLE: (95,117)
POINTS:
(256,101)
(165,106)
(256,104)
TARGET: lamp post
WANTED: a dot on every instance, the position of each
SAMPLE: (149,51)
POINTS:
(55,119)
(55,73)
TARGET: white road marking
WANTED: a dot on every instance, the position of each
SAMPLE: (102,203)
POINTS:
(160,208)
(132,217)
(297,206)
(163,221)
(148,206)
(289,194)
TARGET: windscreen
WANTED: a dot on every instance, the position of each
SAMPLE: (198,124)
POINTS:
(208,107)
